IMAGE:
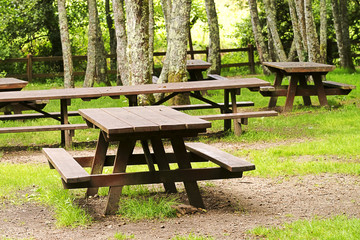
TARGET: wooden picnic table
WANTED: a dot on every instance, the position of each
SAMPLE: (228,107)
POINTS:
(11,84)
(231,88)
(195,68)
(298,85)
(150,124)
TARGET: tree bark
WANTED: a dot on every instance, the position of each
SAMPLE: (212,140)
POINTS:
(323,30)
(301,52)
(66,46)
(151,37)
(259,39)
(214,37)
(137,12)
(300,9)
(112,37)
(271,20)
(178,37)
(101,65)
(312,37)
(91,49)
(121,43)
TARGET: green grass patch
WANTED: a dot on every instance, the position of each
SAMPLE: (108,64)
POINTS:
(339,227)
(192,236)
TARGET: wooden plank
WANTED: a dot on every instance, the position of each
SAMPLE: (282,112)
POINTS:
(43,128)
(239,115)
(300,67)
(207,106)
(223,159)
(159,117)
(338,85)
(133,117)
(12,84)
(65,164)
(35,115)
(105,122)
(191,122)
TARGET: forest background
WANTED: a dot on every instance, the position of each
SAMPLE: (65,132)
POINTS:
(32,27)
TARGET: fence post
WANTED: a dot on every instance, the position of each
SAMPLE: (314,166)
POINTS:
(251,58)
(29,67)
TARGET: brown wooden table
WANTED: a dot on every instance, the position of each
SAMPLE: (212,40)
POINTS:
(11,84)
(196,68)
(150,125)
(298,86)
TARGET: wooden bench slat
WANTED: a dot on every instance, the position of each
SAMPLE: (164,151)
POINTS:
(69,169)
(223,159)
(338,85)
(35,115)
(43,128)
(239,115)
(207,106)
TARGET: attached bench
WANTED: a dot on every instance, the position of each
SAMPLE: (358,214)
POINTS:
(208,106)
(221,158)
(35,115)
(43,128)
(331,84)
(69,169)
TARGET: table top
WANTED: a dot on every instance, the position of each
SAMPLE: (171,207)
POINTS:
(300,67)
(71,93)
(142,119)
(197,64)
(12,84)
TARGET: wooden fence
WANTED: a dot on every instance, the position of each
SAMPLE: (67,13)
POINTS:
(30,59)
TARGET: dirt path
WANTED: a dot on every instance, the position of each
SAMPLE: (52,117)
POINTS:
(233,207)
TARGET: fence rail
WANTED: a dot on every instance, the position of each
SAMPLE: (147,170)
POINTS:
(30,59)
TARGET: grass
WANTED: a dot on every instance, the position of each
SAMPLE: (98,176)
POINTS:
(309,140)
(339,227)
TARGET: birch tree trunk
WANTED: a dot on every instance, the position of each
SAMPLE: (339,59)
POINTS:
(323,30)
(121,43)
(91,49)
(214,37)
(301,52)
(259,39)
(340,14)
(137,12)
(271,19)
(66,46)
(312,37)
(178,37)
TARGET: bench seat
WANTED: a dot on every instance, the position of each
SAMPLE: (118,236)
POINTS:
(219,157)
(239,115)
(69,169)
(43,128)
(208,106)
(35,115)
(344,86)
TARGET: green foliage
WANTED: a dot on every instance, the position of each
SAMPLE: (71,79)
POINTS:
(339,227)
(121,236)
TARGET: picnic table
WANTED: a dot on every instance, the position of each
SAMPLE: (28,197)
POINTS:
(149,125)
(228,108)
(195,68)
(298,85)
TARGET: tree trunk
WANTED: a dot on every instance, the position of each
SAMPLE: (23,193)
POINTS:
(112,40)
(101,65)
(91,49)
(300,9)
(301,52)
(312,37)
(121,43)
(151,37)
(137,12)
(214,37)
(178,37)
(66,46)
(341,25)
(271,20)
(259,39)
(323,30)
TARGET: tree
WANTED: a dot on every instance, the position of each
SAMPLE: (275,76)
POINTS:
(312,37)
(111,29)
(121,43)
(137,12)
(298,37)
(341,24)
(66,46)
(214,37)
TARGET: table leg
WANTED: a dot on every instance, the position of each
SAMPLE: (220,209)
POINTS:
(227,122)
(192,189)
(278,80)
(320,90)
(125,149)
(162,162)
(290,96)
(65,134)
(98,161)
(149,160)
(303,83)
(237,124)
